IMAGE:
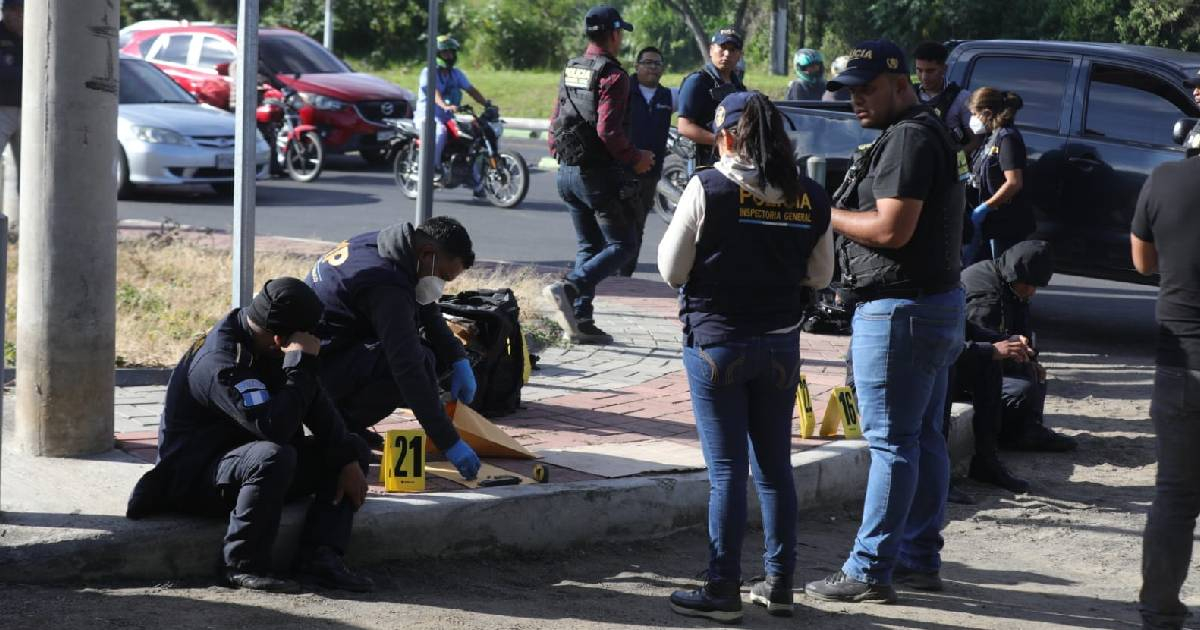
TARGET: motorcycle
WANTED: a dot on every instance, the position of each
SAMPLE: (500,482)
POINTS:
(286,123)
(471,155)
(677,170)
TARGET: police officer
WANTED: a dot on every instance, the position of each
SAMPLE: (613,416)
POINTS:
(589,135)
(703,90)
(651,105)
(809,84)
(12,24)
(899,217)
(384,340)
(232,442)
(946,98)
(749,241)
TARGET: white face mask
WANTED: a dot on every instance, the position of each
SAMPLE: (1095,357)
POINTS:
(977,126)
(430,288)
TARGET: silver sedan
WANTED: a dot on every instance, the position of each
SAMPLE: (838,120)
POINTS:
(167,138)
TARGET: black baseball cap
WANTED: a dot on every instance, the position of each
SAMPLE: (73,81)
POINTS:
(1193,81)
(728,35)
(868,60)
(729,112)
(286,305)
(604,18)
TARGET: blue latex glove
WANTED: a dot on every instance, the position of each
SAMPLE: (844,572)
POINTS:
(462,381)
(980,213)
(464,459)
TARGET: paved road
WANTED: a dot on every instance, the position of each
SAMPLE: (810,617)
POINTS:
(351,197)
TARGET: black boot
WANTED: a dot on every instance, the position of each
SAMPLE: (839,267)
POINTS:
(991,471)
(236,578)
(1038,438)
(324,566)
(719,601)
(775,592)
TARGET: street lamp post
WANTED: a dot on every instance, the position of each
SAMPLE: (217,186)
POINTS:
(244,151)
(425,188)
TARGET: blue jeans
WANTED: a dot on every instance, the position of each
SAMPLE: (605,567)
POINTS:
(604,229)
(739,389)
(902,353)
(1167,543)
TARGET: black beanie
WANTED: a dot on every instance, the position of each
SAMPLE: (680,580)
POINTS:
(286,305)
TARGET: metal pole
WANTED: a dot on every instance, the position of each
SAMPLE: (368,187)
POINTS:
(244,162)
(11,178)
(425,188)
(68,256)
(329,25)
(779,38)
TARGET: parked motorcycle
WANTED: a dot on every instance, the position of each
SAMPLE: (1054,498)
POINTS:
(677,169)
(286,122)
(471,155)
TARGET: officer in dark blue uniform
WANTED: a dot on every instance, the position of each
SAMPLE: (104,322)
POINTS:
(749,241)
(703,90)
(232,442)
(651,105)
(12,25)
(384,339)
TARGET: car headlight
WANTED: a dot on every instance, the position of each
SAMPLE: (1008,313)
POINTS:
(155,135)
(320,101)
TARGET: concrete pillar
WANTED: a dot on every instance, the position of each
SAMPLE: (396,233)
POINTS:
(67,280)
(779,38)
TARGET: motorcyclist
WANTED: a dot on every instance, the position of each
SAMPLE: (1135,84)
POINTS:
(447,97)
(809,84)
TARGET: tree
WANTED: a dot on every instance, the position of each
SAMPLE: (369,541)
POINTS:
(1166,23)
(687,9)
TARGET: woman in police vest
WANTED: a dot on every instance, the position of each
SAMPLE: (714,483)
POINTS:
(1004,216)
(749,242)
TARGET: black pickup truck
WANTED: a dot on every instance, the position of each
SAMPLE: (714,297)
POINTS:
(1097,119)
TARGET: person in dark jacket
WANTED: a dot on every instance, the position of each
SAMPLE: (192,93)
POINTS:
(749,242)
(998,297)
(701,92)
(232,442)
(1004,214)
(809,84)
(651,105)
(385,341)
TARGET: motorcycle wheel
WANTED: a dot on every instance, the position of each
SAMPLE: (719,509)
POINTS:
(675,174)
(507,183)
(304,158)
(405,169)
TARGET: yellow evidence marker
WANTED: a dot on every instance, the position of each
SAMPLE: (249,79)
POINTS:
(808,420)
(842,410)
(403,466)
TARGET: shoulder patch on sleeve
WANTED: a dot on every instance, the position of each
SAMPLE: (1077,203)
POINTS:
(254,392)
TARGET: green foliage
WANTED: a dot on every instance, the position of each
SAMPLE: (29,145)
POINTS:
(138,10)
(517,34)
(1166,23)
(378,32)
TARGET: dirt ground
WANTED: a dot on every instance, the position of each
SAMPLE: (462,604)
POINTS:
(1067,555)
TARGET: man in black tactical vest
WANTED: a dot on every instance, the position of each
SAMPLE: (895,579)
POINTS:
(589,136)
(899,218)
(703,90)
(946,98)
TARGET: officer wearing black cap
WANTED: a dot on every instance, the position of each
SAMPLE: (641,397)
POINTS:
(589,135)
(232,442)
(899,217)
(12,24)
(703,90)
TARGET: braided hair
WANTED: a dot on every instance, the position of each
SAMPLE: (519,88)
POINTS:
(761,138)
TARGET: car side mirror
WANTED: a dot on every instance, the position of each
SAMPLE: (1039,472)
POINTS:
(1182,128)
(222,68)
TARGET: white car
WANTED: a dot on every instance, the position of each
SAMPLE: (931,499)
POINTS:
(167,138)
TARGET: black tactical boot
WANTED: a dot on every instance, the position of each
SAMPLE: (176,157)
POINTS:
(920,580)
(991,471)
(719,601)
(259,582)
(775,592)
(324,567)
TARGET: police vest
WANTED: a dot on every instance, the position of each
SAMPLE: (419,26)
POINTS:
(710,82)
(651,122)
(340,277)
(941,105)
(576,141)
(930,262)
(751,261)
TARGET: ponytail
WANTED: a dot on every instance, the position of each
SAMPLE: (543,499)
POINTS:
(761,138)
(1002,105)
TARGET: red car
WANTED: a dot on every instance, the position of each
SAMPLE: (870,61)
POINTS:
(350,106)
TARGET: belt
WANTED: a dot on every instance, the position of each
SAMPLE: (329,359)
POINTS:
(895,293)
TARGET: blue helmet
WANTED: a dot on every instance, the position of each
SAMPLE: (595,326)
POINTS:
(806,57)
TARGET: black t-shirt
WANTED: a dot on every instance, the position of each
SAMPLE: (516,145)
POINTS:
(1013,220)
(1166,216)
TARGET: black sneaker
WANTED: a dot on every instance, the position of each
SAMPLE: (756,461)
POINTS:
(373,439)
(955,495)
(259,582)
(717,601)
(590,335)
(1037,438)
(920,580)
(325,567)
(775,592)
(840,587)
(993,472)
(562,294)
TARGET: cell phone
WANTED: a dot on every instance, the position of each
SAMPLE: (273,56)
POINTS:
(499,480)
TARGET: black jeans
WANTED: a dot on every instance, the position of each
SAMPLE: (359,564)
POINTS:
(979,379)
(251,483)
(360,382)
(604,230)
(642,207)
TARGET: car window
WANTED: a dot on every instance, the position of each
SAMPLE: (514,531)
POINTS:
(145,45)
(174,50)
(297,54)
(214,51)
(1124,104)
(141,82)
(1040,83)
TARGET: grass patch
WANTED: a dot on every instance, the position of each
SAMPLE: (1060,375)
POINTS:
(170,290)
(531,94)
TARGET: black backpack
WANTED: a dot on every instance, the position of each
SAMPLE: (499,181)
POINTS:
(488,323)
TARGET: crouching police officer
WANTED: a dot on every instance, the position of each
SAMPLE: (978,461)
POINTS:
(385,341)
(232,442)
